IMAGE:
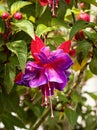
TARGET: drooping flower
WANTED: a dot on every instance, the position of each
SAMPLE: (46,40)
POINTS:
(48,72)
(51,3)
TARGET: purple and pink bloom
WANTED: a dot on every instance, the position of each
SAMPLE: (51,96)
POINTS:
(52,3)
(49,71)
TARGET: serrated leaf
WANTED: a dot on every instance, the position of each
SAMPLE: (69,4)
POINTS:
(20,49)
(93,63)
(2,26)
(83,49)
(9,76)
(71,116)
(16,6)
(10,121)
(25,26)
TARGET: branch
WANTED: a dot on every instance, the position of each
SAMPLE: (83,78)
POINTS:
(78,81)
(40,120)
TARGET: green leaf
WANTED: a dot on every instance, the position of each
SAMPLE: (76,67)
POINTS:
(93,63)
(91,35)
(2,9)
(76,97)
(39,10)
(72,116)
(20,49)
(83,49)
(90,2)
(10,121)
(41,28)
(12,104)
(9,76)
(62,10)
(10,2)
(16,6)
(88,74)
(92,95)
(90,122)
(25,26)
(79,25)
(2,26)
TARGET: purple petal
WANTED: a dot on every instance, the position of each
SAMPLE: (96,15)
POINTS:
(60,86)
(32,65)
(39,79)
(62,60)
(55,75)
(44,54)
(52,75)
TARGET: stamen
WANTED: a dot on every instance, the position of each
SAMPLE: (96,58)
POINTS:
(52,115)
(46,101)
(56,96)
(49,3)
(56,4)
(51,106)
(52,10)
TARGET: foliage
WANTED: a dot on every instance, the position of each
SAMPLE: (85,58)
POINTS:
(20,106)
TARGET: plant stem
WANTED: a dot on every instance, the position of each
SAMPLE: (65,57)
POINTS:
(40,120)
(78,81)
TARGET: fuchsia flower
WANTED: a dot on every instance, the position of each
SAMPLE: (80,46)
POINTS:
(51,3)
(49,71)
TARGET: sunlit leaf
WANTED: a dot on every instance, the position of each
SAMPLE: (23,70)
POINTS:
(41,29)
(2,9)
(16,6)
(25,26)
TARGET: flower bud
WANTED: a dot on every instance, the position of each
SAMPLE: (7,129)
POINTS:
(5,15)
(79,36)
(18,16)
(81,5)
(84,16)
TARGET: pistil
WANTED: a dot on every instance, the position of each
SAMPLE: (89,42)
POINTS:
(50,97)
